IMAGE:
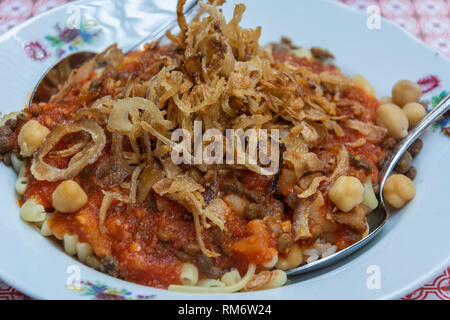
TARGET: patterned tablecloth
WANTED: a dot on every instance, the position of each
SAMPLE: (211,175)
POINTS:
(428,20)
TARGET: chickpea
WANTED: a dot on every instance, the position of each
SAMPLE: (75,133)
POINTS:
(237,203)
(31,136)
(69,197)
(398,190)
(415,112)
(293,259)
(406,91)
(393,119)
(346,193)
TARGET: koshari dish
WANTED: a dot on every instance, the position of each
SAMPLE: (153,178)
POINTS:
(95,170)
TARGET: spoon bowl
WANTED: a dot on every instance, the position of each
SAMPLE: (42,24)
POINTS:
(59,73)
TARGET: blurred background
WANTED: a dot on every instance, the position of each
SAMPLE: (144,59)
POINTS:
(428,20)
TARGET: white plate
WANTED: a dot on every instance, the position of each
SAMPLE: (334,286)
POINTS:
(410,250)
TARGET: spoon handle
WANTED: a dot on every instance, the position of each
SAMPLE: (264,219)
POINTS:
(433,115)
(161,31)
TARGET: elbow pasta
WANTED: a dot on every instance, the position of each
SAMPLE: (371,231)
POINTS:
(278,279)
(32,211)
(21,185)
(70,244)
(270,264)
(45,229)
(231,277)
(84,250)
(267,280)
(93,262)
(189,274)
(227,289)
(16,163)
(22,181)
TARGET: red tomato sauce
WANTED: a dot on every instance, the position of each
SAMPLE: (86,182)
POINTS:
(132,235)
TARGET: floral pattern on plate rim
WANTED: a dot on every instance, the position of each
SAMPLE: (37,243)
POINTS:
(64,41)
(429,84)
(100,291)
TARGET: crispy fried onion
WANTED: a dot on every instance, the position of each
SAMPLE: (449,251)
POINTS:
(355,218)
(188,193)
(108,198)
(304,209)
(150,175)
(372,132)
(114,169)
(75,148)
(299,157)
(119,117)
(312,188)
(87,155)
(342,164)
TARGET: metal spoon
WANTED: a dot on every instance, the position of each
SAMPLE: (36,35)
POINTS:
(59,73)
(378,218)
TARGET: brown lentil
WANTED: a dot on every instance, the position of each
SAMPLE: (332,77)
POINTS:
(5,130)
(7,159)
(255,196)
(232,186)
(389,143)
(6,143)
(411,173)
(251,211)
(321,54)
(416,147)
(21,118)
(11,123)
(359,162)
(404,163)
(191,248)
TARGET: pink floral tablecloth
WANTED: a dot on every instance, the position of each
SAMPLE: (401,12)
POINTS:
(429,20)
